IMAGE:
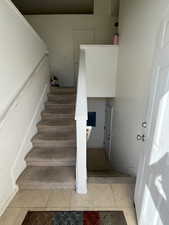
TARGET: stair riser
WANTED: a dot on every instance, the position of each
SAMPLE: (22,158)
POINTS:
(59,111)
(54,144)
(49,163)
(62,102)
(50,129)
(52,116)
(65,91)
(60,98)
(40,186)
(60,106)
(110,180)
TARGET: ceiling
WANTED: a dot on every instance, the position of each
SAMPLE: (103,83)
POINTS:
(55,6)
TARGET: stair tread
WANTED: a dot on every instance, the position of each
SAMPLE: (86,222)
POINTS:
(66,94)
(61,106)
(62,96)
(47,177)
(48,154)
(57,122)
(62,89)
(56,105)
(59,111)
(106,173)
(62,101)
(54,136)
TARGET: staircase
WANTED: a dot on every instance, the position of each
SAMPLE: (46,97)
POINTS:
(51,161)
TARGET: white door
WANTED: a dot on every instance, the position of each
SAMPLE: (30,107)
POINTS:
(152,188)
(80,37)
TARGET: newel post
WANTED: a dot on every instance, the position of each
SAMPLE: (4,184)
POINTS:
(81,161)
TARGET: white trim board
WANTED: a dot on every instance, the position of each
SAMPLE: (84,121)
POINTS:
(26,145)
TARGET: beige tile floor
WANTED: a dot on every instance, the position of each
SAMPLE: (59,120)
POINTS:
(103,197)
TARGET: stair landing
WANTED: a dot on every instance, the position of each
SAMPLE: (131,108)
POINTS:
(100,170)
(50,157)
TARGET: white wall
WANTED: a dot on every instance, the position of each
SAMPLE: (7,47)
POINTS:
(57,31)
(17,129)
(139,23)
(103,7)
(101,66)
(97,136)
(22,93)
(20,51)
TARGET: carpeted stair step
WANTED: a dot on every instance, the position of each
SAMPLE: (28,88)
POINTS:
(55,97)
(51,157)
(62,90)
(53,114)
(63,93)
(56,125)
(62,101)
(53,105)
(104,179)
(54,140)
(50,177)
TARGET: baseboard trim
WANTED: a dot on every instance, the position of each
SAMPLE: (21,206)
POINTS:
(25,147)
(26,144)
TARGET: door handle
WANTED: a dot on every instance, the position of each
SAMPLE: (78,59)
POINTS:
(144,124)
(141,137)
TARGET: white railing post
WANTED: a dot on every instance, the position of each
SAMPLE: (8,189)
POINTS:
(81,167)
(81,123)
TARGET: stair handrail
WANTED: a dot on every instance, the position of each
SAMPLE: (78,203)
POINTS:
(81,116)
